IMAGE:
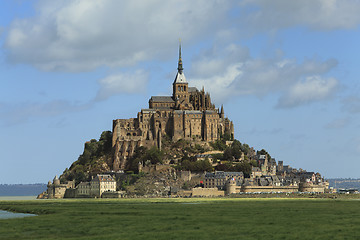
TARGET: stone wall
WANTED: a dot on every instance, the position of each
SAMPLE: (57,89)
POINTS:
(231,188)
(117,194)
(156,168)
(310,187)
(268,189)
(207,192)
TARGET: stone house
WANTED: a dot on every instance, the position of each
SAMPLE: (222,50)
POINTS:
(83,189)
(256,172)
(102,183)
(218,179)
(96,187)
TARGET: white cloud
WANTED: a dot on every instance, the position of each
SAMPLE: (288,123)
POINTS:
(239,74)
(315,14)
(82,35)
(314,88)
(134,82)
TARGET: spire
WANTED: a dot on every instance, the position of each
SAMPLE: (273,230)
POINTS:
(222,111)
(180,77)
(180,67)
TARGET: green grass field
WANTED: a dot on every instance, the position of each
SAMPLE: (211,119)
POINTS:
(184,219)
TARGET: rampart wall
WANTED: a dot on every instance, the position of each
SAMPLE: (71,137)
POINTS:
(207,192)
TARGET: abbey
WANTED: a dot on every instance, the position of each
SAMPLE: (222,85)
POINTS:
(187,114)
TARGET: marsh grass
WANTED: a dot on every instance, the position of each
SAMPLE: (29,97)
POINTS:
(183,219)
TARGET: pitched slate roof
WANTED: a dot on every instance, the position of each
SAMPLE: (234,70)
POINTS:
(167,99)
(192,89)
(180,78)
(103,178)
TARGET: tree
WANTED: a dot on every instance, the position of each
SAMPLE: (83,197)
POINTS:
(228,154)
(106,141)
(264,152)
(227,137)
(154,155)
(243,167)
(226,167)
(198,166)
(245,148)
(236,149)
(254,163)
(219,145)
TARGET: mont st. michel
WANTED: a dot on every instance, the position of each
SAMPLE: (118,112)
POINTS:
(181,145)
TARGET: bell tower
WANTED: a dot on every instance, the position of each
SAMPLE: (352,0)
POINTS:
(180,85)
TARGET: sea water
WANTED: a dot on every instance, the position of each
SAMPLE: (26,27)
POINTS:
(7,215)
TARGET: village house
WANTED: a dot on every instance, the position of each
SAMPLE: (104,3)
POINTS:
(96,187)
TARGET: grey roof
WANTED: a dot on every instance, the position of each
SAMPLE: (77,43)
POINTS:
(210,112)
(103,178)
(162,108)
(180,78)
(192,112)
(84,184)
(192,89)
(221,174)
(162,99)
(146,110)
(263,182)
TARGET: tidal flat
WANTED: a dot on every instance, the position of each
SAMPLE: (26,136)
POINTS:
(225,218)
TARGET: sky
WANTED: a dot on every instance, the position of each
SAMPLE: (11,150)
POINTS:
(287,73)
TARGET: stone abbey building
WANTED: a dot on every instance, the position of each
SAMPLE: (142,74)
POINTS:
(187,114)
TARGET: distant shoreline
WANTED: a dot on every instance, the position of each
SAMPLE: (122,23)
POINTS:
(17,198)
(22,189)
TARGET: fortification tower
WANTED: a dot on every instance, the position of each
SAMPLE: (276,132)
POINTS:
(231,186)
(56,181)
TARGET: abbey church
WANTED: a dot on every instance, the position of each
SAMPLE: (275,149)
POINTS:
(187,114)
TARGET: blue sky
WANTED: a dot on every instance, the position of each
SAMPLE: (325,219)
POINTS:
(286,71)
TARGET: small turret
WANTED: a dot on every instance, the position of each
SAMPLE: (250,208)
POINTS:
(231,186)
(56,180)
